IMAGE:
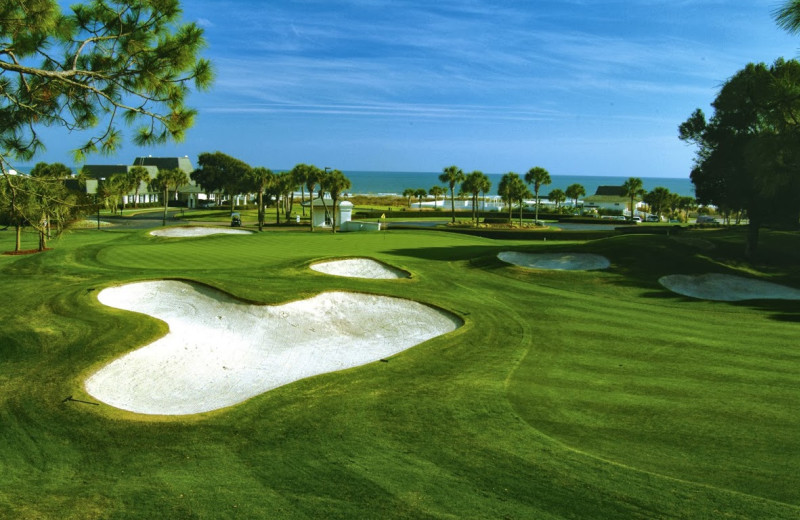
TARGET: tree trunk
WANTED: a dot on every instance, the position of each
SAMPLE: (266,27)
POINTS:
(290,204)
(261,210)
(322,198)
(333,217)
(311,205)
(166,203)
(43,233)
(453,203)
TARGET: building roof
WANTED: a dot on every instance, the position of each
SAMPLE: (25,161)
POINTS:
(96,171)
(611,191)
(166,163)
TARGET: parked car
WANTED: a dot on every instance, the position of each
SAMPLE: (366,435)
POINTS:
(636,220)
(706,219)
(652,218)
(236,220)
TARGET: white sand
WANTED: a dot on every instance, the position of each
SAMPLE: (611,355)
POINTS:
(359,268)
(556,261)
(724,287)
(220,352)
(196,231)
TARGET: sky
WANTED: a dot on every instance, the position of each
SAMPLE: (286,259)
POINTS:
(579,87)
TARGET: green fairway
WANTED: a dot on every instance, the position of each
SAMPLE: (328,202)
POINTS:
(566,394)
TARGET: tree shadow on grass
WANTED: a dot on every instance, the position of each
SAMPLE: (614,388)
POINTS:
(450,253)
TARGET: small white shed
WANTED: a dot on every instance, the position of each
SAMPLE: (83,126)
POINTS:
(322,212)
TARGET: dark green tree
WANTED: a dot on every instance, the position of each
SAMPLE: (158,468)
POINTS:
(49,200)
(748,155)
(84,71)
(106,60)
(219,172)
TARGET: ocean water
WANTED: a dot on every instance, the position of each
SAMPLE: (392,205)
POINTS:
(384,183)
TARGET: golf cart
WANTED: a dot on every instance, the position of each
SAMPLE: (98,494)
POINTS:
(236,220)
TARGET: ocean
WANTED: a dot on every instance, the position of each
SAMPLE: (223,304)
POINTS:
(385,183)
(394,183)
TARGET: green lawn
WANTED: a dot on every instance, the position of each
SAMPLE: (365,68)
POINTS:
(564,395)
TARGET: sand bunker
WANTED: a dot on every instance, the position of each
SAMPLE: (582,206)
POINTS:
(556,261)
(220,351)
(725,287)
(197,231)
(359,268)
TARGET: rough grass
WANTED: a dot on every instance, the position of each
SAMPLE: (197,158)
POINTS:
(565,395)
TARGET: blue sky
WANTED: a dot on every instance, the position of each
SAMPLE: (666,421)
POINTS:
(579,87)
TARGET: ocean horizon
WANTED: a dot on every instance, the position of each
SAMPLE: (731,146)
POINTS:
(395,182)
(364,182)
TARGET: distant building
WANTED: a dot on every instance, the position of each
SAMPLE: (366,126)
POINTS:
(190,194)
(609,198)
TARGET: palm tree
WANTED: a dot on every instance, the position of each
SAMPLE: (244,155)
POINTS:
(137,175)
(286,183)
(575,191)
(558,196)
(419,193)
(686,204)
(408,193)
(177,178)
(115,189)
(485,185)
(512,189)
(259,180)
(451,176)
(436,191)
(335,183)
(539,177)
(658,200)
(308,178)
(159,184)
(475,183)
(633,188)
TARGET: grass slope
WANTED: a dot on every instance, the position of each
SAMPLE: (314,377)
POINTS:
(565,395)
